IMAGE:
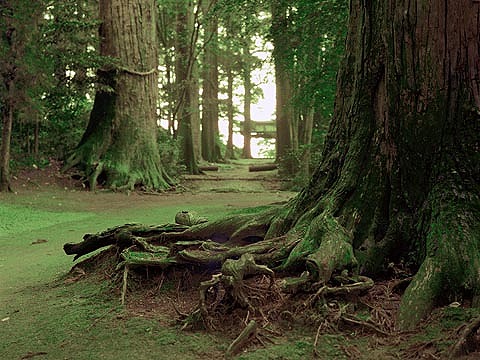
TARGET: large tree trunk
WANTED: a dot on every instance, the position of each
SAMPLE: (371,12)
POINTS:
(400,170)
(119,147)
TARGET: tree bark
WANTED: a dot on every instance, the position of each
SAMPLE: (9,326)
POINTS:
(119,147)
(186,98)
(247,102)
(283,86)
(210,132)
(400,168)
(229,153)
(7,121)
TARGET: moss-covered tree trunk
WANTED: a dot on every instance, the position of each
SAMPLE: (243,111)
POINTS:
(119,147)
(399,179)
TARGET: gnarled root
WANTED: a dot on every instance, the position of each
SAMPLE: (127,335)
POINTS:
(468,341)
(234,271)
(242,339)
(326,247)
(231,279)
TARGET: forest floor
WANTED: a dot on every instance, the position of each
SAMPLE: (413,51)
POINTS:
(48,312)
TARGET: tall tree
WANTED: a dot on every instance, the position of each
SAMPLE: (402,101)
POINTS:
(18,61)
(247,101)
(186,84)
(283,83)
(210,131)
(399,176)
(119,146)
(9,47)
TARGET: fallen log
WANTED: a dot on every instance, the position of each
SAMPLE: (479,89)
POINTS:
(208,168)
(264,167)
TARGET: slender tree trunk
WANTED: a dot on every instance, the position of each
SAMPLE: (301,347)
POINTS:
(7,103)
(36,138)
(210,133)
(247,102)
(229,154)
(195,106)
(187,100)
(283,86)
(305,130)
(119,147)
(7,122)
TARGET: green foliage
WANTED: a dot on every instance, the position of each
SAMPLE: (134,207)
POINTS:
(55,58)
(318,29)
(70,43)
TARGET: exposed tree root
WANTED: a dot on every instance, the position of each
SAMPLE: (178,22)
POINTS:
(451,266)
(237,248)
(249,271)
(359,285)
(468,341)
(242,339)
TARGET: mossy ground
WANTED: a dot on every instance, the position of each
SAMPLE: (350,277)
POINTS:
(44,314)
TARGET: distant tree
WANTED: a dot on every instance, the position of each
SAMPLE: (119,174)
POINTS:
(247,100)
(308,38)
(210,81)
(119,147)
(283,61)
(19,55)
(186,108)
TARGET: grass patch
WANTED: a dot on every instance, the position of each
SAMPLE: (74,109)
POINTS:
(16,219)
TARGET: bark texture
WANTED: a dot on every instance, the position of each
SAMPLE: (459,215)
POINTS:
(187,87)
(119,147)
(210,131)
(283,87)
(399,175)
(7,121)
